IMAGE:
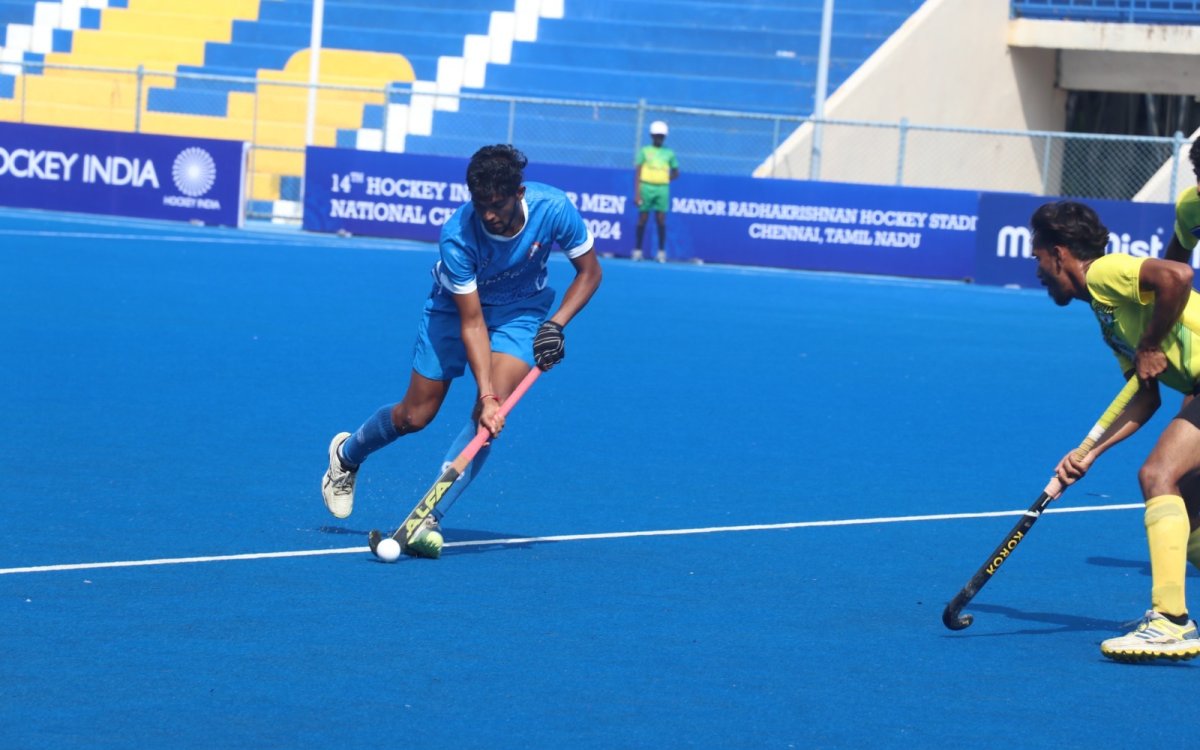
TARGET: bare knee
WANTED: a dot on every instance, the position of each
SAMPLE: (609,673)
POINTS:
(1157,479)
(408,420)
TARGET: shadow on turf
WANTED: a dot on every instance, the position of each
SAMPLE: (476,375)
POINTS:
(478,541)
(1141,566)
(1060,623)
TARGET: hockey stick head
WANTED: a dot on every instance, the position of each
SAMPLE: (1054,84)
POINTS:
(955,621)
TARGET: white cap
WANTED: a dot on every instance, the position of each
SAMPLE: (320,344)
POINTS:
(658,127)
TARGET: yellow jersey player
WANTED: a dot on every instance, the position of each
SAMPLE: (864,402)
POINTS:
(1150,317)
(654,168)
(1187,216)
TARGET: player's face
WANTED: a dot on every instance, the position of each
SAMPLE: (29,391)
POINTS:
(500,213)
(1050,272)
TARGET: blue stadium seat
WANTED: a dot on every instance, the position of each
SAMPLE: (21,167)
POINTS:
(758,56)
(1185,12)
(755,55)
(16,11)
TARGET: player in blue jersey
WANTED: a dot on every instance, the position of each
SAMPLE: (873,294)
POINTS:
(489,309)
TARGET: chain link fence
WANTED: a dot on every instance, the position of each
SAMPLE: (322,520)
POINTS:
(272,114)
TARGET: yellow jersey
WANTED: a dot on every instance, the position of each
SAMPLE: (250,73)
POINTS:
(1123,311)
(656,163)
(1187,218)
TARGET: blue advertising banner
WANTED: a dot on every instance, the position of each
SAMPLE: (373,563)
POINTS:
(409,196)
(122,174)
(787,224)
(823,226)
(1003,256)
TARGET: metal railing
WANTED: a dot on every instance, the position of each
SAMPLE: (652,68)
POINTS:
(271,116)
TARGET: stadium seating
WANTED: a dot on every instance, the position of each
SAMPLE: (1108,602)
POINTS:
(236,69)
(1111,11)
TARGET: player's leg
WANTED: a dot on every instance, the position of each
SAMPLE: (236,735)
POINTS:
(1189,487)
(660,218)
(348,451)
(512,332)
(415,411)
(1166,630)
(507,372)
(512,357)
(643,214)
(438,357)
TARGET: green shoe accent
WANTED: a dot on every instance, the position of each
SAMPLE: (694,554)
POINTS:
(427,542)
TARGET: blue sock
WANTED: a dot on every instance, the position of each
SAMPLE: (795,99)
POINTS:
(374,434)
(468,474)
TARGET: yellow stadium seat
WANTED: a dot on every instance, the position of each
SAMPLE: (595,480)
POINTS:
(160,36)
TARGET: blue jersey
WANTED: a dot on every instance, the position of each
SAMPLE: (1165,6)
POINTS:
(505,270)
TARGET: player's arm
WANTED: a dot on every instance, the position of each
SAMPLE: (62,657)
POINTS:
(549,344)
(479,356)
(1171,285)
(1141,408)
(1177,252)
(583,286)
(637,179)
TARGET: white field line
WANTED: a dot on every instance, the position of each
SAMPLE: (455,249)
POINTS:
(561,538)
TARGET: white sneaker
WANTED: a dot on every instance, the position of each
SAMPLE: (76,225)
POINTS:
(1155,637)
(635,255)
(661,256)
(427,542)
(337,486)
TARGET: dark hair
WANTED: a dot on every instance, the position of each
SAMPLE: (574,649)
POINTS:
(1071,224)
(1194,155)
(496,171)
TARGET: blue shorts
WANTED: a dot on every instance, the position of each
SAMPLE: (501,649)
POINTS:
(439,353)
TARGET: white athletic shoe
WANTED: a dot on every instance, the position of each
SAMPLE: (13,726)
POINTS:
(635,255)
(661,256)
(427,542)
(1155,637)
(337,486)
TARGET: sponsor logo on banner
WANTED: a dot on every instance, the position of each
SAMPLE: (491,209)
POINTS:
(194,172)
(124,174)
(1016,242)
(1004,251)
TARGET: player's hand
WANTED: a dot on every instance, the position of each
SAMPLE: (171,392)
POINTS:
(637,199)
(1071,469)
(490,416)
(548,345)
(1150,362)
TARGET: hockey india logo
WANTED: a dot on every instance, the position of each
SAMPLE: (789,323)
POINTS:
(194,172)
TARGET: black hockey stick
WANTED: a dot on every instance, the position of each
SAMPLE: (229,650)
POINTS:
(952,616)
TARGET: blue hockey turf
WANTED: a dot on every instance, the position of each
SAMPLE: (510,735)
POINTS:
(730,518)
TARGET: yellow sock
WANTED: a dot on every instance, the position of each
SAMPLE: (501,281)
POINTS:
(1167,530)
(1193,550)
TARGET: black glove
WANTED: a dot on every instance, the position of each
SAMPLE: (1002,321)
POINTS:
(548,347)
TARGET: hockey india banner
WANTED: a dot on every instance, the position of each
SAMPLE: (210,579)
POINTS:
(198,180)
